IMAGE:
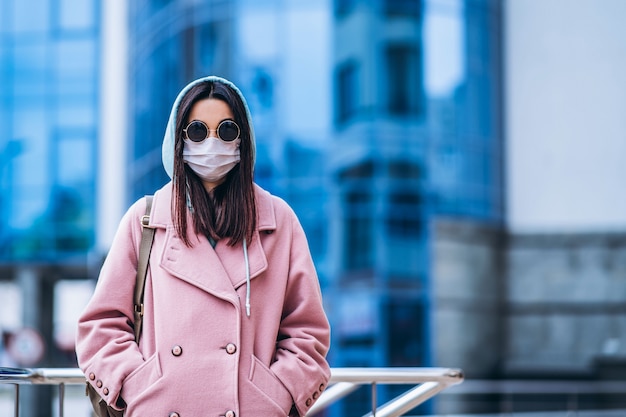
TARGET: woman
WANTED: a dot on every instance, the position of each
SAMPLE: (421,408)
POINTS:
(233,318)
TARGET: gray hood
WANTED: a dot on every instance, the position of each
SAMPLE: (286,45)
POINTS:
(170,131)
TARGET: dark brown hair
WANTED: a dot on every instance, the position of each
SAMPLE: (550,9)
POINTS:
(229,211)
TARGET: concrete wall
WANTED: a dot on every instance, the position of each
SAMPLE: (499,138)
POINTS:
(566,298)
(508,305)
(466,288)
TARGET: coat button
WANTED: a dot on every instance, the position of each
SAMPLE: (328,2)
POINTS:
(177,350)
(315,395)
(105,391)
(230,413)
(322,387)
(173,414)
(99,384)
(308,402)
(230,349)
(92,376)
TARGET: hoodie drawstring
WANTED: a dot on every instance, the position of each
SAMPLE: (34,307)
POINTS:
(245,257)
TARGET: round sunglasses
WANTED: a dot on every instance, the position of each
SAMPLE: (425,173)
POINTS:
(197,131)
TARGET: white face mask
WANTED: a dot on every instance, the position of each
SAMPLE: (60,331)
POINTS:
(212,158)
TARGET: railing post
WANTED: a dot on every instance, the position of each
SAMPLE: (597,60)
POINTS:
(16,408)
(61,399)
(374,399)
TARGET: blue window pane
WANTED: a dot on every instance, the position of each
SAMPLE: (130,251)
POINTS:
(347,91)
(28,203)
(406,334)
(344,7)
(76,14)
(358,228)
(404,80)
(75,86)
(75,161)
(76,114)
(444,40)
(31,129)
(409,8)
(4,18)
(29,56)
(29,61)
(75,56)
(31,16)
(30,174)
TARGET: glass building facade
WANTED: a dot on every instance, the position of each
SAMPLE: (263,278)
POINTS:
(49,123)
(417,129)
(48,141)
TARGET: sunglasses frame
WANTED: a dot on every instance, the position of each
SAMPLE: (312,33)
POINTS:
(208,131)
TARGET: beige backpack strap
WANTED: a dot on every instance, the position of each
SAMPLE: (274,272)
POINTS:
(147,237)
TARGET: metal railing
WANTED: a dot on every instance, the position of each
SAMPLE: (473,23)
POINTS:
(41,376)
(427,382)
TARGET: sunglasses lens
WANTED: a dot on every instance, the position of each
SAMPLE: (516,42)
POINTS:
(228,131)
(197,131)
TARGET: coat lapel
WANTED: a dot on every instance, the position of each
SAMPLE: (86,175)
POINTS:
(233,260)
(218,271)
(198,265)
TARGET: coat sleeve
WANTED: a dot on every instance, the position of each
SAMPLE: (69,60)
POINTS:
(304,334)
(105,341)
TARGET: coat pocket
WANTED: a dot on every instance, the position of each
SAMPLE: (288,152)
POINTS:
(269,386)
(141,379)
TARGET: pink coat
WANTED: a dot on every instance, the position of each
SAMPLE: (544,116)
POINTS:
(199,353)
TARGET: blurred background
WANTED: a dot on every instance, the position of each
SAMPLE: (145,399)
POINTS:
(457,166)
